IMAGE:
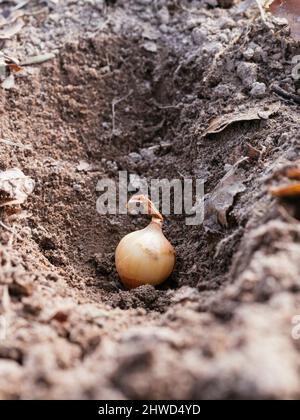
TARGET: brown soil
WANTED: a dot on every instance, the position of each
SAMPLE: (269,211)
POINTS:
(220,327)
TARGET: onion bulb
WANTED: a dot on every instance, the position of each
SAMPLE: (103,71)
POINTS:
(145,256)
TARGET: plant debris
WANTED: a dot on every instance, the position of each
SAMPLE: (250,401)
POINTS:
(221,199)
(286,95)
(220,123)
(14,187)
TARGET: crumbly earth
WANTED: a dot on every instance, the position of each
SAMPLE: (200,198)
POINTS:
(221,326)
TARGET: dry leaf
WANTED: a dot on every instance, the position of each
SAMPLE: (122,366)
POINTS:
(222,197)
(290,10)
(219,124)
(14,187)
(253,152)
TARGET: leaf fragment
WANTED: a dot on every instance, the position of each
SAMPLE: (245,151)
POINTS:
(220,123)
(222,197)
(14,187)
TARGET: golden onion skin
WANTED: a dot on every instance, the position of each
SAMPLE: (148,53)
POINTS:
(145,257)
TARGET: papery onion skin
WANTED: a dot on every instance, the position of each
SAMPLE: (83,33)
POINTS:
(145,257)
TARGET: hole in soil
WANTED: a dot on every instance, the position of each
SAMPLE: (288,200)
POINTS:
(68,111)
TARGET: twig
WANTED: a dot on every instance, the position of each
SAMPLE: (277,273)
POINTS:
(113,109)
(286,95)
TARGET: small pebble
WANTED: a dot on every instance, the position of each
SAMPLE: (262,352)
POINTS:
(163,15)
(258,90)
(135,157)
(148,154)
(222,91)
(150,46)
(247,72)
(199,36)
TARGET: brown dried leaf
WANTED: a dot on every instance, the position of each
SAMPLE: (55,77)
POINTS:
(222,197)
(253,152)
(14,187)
(219,124)
(290,10)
